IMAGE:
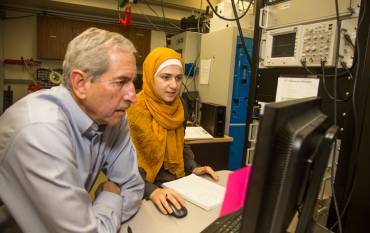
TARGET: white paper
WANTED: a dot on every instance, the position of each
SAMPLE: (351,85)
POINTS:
(196,132)
(199,191)
(296,88)
(205,69)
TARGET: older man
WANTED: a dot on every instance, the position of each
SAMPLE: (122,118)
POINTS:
(54,143)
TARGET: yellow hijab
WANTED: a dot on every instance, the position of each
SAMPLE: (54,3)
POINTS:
(157,127)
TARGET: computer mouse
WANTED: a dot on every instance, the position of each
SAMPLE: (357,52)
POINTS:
(178,213)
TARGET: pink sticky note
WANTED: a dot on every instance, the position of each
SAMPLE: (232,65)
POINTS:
(236,189)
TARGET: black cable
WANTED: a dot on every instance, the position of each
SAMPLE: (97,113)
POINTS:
(200,15)
(193,65)
(148,5)
(350,42)
(174,25)
(304,64)
(348,39)
(164,17)
(187,92)
(323,75)
(227,19)
(335,117)
(186,89)
(241,33)
(154,25)
(326,89)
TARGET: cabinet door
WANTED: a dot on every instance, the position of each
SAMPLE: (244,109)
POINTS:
(79,26)
(141,40)
(53,35)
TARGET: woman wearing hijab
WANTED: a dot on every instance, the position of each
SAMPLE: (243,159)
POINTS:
(157,122)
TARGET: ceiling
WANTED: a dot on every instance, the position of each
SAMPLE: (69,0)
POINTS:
(143,12)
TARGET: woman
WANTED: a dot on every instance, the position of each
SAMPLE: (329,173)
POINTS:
(157,123)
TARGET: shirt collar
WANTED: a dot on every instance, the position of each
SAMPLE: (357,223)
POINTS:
(85,124)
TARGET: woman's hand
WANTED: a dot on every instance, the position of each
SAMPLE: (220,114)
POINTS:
(162,196)
(206,170)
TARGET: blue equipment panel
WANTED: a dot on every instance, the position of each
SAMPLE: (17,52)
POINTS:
(238,117)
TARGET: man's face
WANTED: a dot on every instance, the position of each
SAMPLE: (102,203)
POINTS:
(168,82)
(108,98)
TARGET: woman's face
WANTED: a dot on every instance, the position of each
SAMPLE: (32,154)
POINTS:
(167,83)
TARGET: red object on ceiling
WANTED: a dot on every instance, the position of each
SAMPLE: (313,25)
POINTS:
(127,20)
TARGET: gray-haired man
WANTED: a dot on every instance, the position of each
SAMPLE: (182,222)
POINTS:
(54,143)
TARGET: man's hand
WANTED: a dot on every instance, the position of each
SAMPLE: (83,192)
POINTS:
(108,186)
(206,170)
(161,198)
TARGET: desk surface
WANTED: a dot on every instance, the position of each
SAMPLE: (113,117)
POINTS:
(209,140)
(149,219)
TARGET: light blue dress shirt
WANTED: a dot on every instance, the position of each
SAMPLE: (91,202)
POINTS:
(50,155)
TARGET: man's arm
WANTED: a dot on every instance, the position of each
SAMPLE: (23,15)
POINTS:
(122,169)
(44,184)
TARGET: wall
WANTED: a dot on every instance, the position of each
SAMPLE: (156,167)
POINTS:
(19,40)
(158,39)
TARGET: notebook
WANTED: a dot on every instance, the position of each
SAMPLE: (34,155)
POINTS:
(199,191)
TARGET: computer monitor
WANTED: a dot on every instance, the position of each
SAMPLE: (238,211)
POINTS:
(293,147)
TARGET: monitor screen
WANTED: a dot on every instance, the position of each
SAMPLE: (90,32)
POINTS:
(291,154)
(283,45)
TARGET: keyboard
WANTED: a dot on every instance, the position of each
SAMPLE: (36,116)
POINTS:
(226,224)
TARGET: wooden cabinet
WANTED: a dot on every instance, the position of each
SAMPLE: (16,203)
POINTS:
(141,40)
(54,34)
(79,26)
